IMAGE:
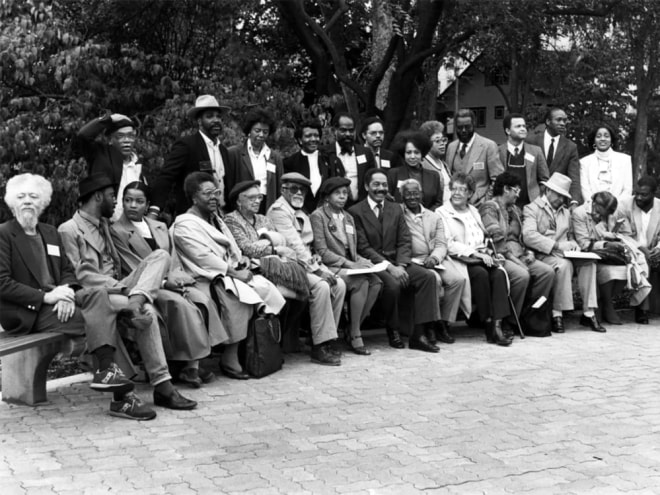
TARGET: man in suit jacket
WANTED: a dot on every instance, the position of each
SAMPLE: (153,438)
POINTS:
(373,133)
(39,291)
(254,160)
(88,245)
(116,159)
(199,152)
(384,236)
(525,161)
(311,162)
(561,154)
(473,155)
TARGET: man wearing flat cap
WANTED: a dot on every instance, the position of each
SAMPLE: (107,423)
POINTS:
(199,152)
(117,158)
(547,231)
(88,245)
(327,292)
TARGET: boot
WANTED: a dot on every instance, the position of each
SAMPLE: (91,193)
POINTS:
(606,303)
(442,332)
(394,338)
(498,335)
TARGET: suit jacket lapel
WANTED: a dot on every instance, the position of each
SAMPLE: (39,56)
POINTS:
(87,234)
(503,155)
(159,231)
(27,255)
(53,261)
(246,162)
(370,216)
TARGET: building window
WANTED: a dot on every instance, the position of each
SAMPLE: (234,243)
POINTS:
(480,114)
(499,113)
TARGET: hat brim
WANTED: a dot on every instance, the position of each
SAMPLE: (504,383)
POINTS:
(556,189)
(194,111)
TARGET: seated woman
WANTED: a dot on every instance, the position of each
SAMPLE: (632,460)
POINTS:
(466,242)
(208,252)
(596,227)
(192,321)
(335,242)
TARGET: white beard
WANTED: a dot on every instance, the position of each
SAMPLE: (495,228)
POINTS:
(28,219)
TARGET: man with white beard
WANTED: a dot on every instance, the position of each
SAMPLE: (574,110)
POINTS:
(39,291)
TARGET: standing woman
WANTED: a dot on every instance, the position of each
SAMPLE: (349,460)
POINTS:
(335,241)
(192,320)
(605,169)
(434,160)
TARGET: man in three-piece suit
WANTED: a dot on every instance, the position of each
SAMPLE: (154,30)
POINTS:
(384,236)
(561,154)
(310,162)
(254,160)
(199,152)
(373,133)
(525,161)
(473,155)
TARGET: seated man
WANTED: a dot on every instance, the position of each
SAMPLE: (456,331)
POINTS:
(429,248)
(87,242)
(327,292)
(547,231)
(503,221)
(39,291)
(384,236)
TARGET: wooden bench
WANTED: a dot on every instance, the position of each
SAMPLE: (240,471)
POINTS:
(25,361)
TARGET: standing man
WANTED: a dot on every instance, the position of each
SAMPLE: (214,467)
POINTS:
(473,155)
(561,154)
(384,236)
(525,161)
(373,134)
(254,160)
(116,159)
(199,152)
(352,159)
(310,162)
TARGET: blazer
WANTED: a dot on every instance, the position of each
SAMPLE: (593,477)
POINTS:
(388,159)
(387,241)
(239,168)
(327,168)
(629,210)
(132,247)
(431,186)
(367,162)
(455,230)
(483,164)
(565,161)
(622,175)
(21,292)
(188,154)
(434,232)
(536,169)
(504,227)
(333,252)
(542,227)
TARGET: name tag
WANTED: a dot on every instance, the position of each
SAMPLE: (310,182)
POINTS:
(384,164)
(479,166)
(349,229)
(52,250)
(270,167)
(361,159)
(529,157)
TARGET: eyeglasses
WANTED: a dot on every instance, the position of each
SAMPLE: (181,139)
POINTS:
(210,192)
(459,189)
(515,190)
(295,189)
(254,197)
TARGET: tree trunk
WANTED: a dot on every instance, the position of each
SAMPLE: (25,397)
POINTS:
(640,147)
(382,32)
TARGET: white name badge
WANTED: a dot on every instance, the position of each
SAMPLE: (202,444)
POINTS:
(479,166)
(270,167)
(529,157)
(52,250)
(384,164)
(349,229)
(361,159)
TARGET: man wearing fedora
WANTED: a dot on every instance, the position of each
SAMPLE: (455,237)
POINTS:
(88,245)
(547,231)
(116,158)
(199,152)
(327,292)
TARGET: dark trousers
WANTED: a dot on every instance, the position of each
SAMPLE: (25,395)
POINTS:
(422,283)
(489,292)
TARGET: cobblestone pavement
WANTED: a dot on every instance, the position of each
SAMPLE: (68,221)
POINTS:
(577,413)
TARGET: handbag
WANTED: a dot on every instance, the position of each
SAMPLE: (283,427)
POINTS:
(613,253)
(537,322)
(469,260)
(263,355)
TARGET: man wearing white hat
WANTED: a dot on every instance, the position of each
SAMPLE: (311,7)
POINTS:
(199,152)
(547,231)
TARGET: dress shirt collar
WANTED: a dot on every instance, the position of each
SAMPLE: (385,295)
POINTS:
(96,222)
(263,152)
(372,203)
(512,147)
(209,141)
(340,152)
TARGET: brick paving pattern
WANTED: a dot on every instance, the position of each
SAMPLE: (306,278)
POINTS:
(577,413)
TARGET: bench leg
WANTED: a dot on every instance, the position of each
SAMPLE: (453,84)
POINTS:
(24,374)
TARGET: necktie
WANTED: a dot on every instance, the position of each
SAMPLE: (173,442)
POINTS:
(463,150)
(551,152)
(379,210)
(515,151)
(377,157)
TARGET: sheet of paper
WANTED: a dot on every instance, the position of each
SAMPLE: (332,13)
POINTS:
(581,255)
(379,267)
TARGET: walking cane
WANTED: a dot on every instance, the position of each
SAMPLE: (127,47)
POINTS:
(508,293)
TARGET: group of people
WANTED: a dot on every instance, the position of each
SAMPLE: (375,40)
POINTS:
(411,235)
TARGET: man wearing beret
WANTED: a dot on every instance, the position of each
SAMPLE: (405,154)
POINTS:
(117,158)
(198,152)
(88,245)
(326,291)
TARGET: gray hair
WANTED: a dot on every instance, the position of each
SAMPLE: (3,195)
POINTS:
(409,182)
(39,185)
(431,127)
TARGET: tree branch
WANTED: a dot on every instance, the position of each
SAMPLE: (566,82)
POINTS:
(382,67)
(335,17)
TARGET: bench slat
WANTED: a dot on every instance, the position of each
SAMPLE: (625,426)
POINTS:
(10,344)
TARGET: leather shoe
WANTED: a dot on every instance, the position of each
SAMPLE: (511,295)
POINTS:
(321,354)
(174,401)
(190,376)
(236,375)
(395,339)
(207,376)
(558,324)
(497,335)
(422,344)
(593,323)
(442,333)
(641,316)
(429,333)
(362,351)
